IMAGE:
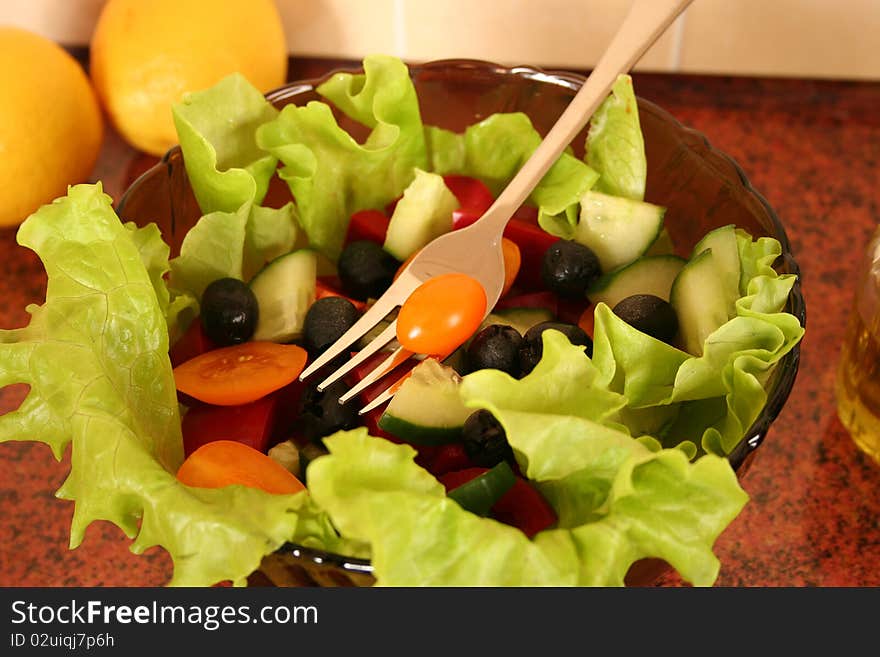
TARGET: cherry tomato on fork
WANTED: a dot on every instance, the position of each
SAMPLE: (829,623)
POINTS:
(441,314)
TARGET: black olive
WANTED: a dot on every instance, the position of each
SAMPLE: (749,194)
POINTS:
(533,344)
(229,311)
(495,347)
(326,320)
(649,314)
(321,414)
(569,268)
(484,440)
(366,270)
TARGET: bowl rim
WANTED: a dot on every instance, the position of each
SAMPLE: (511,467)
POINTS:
(787,368)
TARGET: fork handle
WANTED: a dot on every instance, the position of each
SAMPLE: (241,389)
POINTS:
(645,22)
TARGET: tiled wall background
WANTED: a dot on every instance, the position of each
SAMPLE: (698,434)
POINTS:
(802,38)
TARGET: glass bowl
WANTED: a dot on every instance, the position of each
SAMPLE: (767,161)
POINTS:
(701,187)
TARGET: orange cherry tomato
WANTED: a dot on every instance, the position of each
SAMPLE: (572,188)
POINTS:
(441,314)
(225,462)
(512,261)
(241,373)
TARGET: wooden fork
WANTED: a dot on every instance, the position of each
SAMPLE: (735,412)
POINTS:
(476,249)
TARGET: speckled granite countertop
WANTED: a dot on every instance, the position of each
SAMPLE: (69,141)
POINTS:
(812,148)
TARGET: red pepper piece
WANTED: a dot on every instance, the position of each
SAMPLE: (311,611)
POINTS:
(370,225)
(191,344)
(533,241)
(448,458)
(522,506)
(473,196)
(251,424)
(544,299)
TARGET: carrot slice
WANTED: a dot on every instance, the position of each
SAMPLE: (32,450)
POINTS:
(241,373)
(512,262)
(226,462)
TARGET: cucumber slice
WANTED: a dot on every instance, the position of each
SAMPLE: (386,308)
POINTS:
(725,252)
(618,230)
(647,275)
(480,493)
(698,297)
(522,319)
(427,409)
(424,212)
(285,288)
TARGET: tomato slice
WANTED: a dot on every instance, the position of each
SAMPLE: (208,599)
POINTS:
(226,462)
(241,373)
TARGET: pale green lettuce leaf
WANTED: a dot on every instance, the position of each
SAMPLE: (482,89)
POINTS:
(657,505)
(217,132)
(494,149)
(95,356)
(329,173)
(231,244)
(615,146)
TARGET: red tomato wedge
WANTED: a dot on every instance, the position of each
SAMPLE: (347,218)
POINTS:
(522,506)
(241,373)
(226,462)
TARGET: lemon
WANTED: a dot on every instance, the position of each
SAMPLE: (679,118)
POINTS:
(146,55)
(50,123)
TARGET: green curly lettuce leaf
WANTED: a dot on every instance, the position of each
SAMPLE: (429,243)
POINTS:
(615,146)
(330,174)
(494,149)
(657,504)
(95,356)
(217,132)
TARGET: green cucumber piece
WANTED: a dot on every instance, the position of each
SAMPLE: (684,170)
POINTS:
(285,288)
(647,275)
(698,297)
(617,230)
(480,493)
(427,409)
(725,252)
(423,213)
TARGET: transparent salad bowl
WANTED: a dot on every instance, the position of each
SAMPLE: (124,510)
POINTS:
(701,187)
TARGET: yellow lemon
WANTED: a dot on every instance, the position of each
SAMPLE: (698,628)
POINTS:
(146,55)
(50,123)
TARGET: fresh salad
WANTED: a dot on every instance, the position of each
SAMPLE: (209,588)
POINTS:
(580,426)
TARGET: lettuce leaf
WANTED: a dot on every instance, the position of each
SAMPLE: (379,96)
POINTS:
(217,132)
(712,399)
(321,159)
(657,505)
(231,244)
(95,356)
(615,146)
(494,149)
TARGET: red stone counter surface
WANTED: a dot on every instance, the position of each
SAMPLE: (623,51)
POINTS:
(813,149)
